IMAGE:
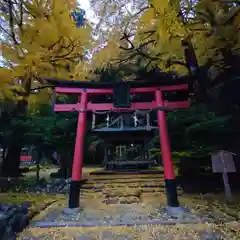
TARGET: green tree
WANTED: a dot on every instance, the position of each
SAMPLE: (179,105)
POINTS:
(51,132)
(38,39)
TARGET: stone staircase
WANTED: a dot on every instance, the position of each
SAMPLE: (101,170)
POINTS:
(123,188)
(121,206)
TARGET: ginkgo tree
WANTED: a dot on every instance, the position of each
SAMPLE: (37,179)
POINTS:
(179,36)
(146,28)
(39,39)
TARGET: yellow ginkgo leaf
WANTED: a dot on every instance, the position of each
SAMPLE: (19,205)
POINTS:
(161,6)
(148,16)
(5,73)
(45,66)
(10,53)
(19,98)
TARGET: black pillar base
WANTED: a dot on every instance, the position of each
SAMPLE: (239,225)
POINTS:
(171,191)
(74,194)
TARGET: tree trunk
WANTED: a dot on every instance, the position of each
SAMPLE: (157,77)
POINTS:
(65,167)
(10,166)
(39,157)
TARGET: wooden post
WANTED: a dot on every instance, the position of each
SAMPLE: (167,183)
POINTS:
(135,119)
(38,169)
(107,119)
(227,188)
(93,120)
(148,120)
(105,158)
(228,192)
(121,122)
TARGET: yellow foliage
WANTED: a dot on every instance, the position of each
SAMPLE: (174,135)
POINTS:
(169,25)
(169,30)
(7,93)
(82,72)
(43,97)
(5,74)
(10,53)
(45,66)
(17,88)
(206,4)
(72,4)
(50,44)
(148,16)
(109,53)
(161,6)
(19,98)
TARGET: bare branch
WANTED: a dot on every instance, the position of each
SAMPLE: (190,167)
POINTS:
(21,14)
(11,21)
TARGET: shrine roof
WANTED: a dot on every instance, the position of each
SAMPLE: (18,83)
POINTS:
(166,81)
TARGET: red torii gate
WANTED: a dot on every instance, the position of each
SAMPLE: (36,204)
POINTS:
(83,105)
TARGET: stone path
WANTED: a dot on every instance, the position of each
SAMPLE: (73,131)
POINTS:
(126,207)
(143,232)
(118,215)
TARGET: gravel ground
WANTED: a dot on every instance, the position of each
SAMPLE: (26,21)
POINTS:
(130,222)
(147,232)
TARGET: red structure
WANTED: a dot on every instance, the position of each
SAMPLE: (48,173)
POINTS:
(84,104)
(25,157)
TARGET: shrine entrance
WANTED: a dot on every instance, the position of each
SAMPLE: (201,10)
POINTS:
(125,105)
(130,156)
(126,137)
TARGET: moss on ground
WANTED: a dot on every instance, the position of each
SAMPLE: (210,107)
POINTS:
(213,202)
(38,202)
(33,198)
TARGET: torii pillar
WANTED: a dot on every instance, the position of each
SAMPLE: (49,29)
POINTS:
(169,175)
(74,193)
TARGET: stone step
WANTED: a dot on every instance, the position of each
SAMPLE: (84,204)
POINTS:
(152,190)
(122,191)
(124,181)
(122,186)
(122,200)
(119,181)
(125,192)
(127,172)
(103,195)
(121,177)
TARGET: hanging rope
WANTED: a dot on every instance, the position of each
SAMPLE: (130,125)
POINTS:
(101,112)
(144,112)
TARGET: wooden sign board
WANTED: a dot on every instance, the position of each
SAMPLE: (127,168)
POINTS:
(222,161)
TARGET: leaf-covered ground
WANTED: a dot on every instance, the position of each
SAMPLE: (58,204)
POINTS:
(229,231)
(224,226)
